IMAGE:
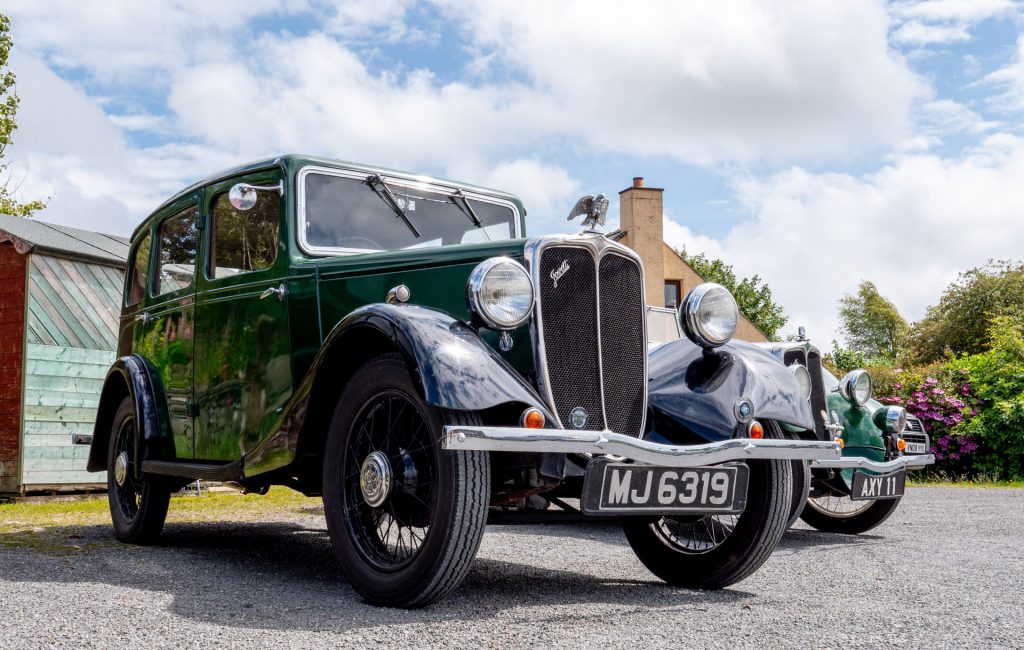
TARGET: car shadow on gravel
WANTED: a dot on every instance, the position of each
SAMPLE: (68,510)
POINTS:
(284,576)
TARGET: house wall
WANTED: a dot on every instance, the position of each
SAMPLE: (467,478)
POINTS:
(12,338)
(73,310)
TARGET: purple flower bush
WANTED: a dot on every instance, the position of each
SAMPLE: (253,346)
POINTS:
(943,401)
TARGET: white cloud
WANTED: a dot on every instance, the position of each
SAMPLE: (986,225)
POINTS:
(706,82)
(1010,81)
(909,227)
(917,33)
(943,22)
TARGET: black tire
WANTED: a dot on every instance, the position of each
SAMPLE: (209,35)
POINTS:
(138,506)
(801,490)
(445,494)
(747,544)
(817,515)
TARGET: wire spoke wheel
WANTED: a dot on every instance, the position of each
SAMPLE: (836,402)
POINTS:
(138,503)
(390,473)
(697,535)
(839,505)
(404,515)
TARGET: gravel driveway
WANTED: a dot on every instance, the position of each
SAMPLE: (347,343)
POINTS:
(946,570)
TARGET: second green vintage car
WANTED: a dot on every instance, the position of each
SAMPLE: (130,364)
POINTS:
(396,344)
(880,443)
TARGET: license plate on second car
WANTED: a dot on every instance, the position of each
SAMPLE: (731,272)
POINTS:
(878,486)
(612,488)
(916,448)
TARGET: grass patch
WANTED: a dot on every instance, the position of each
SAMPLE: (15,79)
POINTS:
(941,479)
(63,526)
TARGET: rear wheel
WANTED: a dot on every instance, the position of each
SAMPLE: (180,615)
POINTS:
(837,513)
(138,504)
(715,551)
(405,517)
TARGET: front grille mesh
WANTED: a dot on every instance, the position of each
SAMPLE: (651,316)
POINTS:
(569,314)
(622,343)
(594,354)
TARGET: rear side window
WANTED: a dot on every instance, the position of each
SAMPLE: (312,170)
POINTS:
(244,241)
(139,271)
(177,253)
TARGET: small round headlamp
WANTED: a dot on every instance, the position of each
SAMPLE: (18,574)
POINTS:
(500,293)
(891,419)
(709,315)
(803,377)
(856,387)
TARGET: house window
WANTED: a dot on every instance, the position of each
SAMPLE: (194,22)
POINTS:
(673,292)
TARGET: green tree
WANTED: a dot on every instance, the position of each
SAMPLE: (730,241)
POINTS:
(8,109)
(960,323)
(871,325)
(753,296)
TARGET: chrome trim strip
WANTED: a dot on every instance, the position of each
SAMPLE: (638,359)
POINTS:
(561,441)
(859,462)
(396,181)
(597,245)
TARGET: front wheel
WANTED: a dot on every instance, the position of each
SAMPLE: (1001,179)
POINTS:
(835,513)
(405,517)
(138,504)
(715,551)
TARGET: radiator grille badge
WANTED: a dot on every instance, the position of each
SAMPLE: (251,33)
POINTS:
(578,417)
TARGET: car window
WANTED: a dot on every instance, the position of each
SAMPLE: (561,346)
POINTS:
(178,245)
(139,271)
(349,214)
(244,241)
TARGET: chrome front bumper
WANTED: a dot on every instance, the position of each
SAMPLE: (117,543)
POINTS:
(561,441)
(859,462)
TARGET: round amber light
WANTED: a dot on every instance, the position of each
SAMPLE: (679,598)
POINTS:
(901,444)
(533,419)
(755,430)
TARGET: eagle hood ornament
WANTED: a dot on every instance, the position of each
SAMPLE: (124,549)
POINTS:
(594,209)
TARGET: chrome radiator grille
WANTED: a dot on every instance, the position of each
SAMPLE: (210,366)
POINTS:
(812,361)
(590,333)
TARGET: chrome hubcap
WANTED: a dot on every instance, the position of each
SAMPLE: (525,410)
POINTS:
(375,479)
(121,468)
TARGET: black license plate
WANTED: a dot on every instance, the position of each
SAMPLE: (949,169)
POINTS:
(612,488)
(878,486)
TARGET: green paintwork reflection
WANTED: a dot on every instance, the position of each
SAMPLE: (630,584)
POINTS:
(860,435)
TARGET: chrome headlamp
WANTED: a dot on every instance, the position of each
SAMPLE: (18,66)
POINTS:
(709,315)
(891,419)
(803,377)
(856,387)
(500,293)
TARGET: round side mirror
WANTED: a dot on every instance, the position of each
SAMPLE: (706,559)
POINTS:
(242,196)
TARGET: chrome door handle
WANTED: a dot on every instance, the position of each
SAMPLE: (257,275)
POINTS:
(280,291)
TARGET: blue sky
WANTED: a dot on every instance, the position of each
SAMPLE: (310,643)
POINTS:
(815,144)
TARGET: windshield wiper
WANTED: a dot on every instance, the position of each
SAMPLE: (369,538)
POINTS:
(373,180)
(470,212)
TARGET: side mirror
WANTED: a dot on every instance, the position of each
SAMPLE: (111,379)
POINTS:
(242,196)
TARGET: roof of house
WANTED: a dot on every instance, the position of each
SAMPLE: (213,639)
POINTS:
(32,235)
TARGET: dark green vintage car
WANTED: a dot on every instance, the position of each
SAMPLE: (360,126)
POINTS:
(395,344)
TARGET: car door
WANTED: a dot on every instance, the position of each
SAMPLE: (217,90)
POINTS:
(164,328)
(243,367)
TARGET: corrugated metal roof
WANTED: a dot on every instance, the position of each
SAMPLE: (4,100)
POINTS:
(61,241)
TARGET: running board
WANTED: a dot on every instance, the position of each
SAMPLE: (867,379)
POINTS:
(197,471)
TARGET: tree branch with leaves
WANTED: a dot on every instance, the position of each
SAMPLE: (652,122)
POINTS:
(8,110)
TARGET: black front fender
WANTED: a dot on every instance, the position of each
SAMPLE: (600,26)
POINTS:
(129,376)
(697,392)
(454,367)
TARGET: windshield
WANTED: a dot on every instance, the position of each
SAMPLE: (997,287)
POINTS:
(368,214)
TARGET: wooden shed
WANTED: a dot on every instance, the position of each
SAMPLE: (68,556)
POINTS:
(60,296)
